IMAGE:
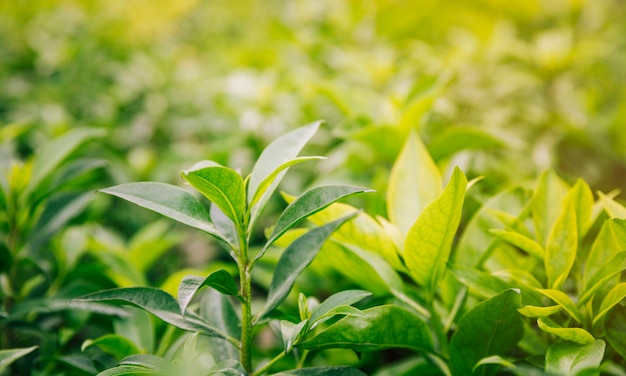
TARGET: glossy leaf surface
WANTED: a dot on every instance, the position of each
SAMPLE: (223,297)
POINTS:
(220,280)
(568,358)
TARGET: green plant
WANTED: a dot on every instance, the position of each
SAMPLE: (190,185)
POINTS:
(236,206)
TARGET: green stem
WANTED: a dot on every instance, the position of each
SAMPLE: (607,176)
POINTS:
(269,364)
(246,304)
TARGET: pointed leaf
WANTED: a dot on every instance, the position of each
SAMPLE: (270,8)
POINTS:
(429,242)
(228,367)
(9,356)
(568,358)
(581,198)
(383,327)
(322,371)
(524,243)
(158,303)
(613,208)
(310,202)
(615,327)
(343,298)
(534,311)
(295,259)
(221,185)
(564,301)
(605,247)
(415,181)
(545,204)
(168,200)
(131,371)
(614,266)
(218,310)
(220,280)
(282,150)
(577,335)
(223,224)
(291,333)
(612,298)
(115,345)
(562,245)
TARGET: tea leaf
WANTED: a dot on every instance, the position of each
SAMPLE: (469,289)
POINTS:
(170,201)
(605,246)
(526,244)
(545,204)
(581,198)
(498,325)
(310,202)
(414,183)
(281,150)
(429,241)
(322,371)
(615,327)
(483,283)
(131,371)
(221,185)
(343,298)
(612,298)
(534,311)
(612,267)
(115,345)
(158,303)
(561,246)
(564,301)
(568,358)
(9,356)
(218,310)
(223,224)
(577,335)
(612,207)
(229,367)
(220,280)
(382,327)
(452,140)
(295,259)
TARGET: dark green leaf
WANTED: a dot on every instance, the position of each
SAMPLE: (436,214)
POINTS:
(131,371)
(382,327)
(115,345)
(492,327)
(295,259)
(9,356)
(168,200)
(220,280)
(221,185)
(310,202)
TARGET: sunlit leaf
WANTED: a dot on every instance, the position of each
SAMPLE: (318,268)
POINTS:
(429,241)
(564,301)
(612,298)
(382,327)
(342,298)
(581,198)
(613,208)
(605,246)
(546,204)
(578,335)
(562,245)
(568,358)
(415,181)
(534,311)
(526,244)
(615,265)
(498,325)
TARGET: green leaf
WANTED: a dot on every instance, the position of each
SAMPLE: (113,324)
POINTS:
(310,202)
(492,327)
(605,247)
(158,303)
(495,359)
(220,280)
(295,259)
(577,335)
(282,150)
(613,208)
(482,283)
(534,311)
(524,243)
(149,361)
(115,345)
(218,310)
(223,224)
(269,179)
(615,327)
(415,181)
(612,298)
(612,267)
(383,327)
(429,242)
(564,301)
(454,139)
(546,204)
(9,356)
(221,185)
(581,197)
(131,371)
(168,200)
(49,157)
(322,371)
(343,298)
(291,333)
(228,367)
(568,358)
(562,245)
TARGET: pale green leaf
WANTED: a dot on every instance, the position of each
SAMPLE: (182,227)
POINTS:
(429,241)
(454,139)
(605,246)
(613,208)
(568,358)
(382,327)
(220,280)
(322,371)
(546,204)
(562,245)
(310,202)
(564,301)
(581,198)
(492,327)
(612,298)
(534,311)
(578,335)
(168,200)
(9,356)
(221,185)
(342,298)
(415,181)
(612,267)
(295,259)
(524,243)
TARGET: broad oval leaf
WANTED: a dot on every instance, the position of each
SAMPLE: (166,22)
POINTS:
(605,246)
(158,303)
(221,185)
(220,280)
(492,327)
(310,202)
(564,301)
(562,245)
(568,358)
(414,182)
(577,335)
(168,200)
(382,327)
(295,259)
(280,151)
(429,241)
(612,298)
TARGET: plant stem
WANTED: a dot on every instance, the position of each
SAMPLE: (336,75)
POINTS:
(269,364)
(246,303)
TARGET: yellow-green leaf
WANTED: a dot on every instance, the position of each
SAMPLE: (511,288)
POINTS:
(612,298)
(577,335)
(546,203)
(525,243)
(564,301)
(534,311)
(561,246)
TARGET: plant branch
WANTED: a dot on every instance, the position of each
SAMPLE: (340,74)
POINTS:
(269,364)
